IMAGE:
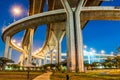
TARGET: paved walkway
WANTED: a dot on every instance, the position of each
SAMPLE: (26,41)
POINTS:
(45,76)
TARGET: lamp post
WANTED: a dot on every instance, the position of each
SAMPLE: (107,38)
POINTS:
(16,11)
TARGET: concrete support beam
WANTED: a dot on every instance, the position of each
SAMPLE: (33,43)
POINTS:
(34,60)
(51,57)
(10,53)
(60,41)
(25,55)
(55,38)
(58,46)
(74,37)
(39,62)
(6,46)
(21,60)
(78,38)
(30,45)
(53,7)
(70,37)
(45,59)
(49,51)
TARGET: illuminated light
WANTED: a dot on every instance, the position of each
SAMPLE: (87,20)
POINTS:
(100,67)
(19,44)
(37,51)
(14,40)
(54,51)
(85,46)
(16,10)
(91,53)
(28,13)
(94,51)
(84,51)
(91,49)
(112,53)
(40,49)
(102,52)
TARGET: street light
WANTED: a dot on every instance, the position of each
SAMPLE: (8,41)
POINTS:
(112,53)
(84,46)
(16,11)
(18,44)
(13,40)
(92,50)
(102,52)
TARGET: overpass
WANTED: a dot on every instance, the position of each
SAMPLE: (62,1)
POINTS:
(62,18)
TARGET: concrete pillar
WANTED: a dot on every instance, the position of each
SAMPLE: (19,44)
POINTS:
(51,57)
(30,45)
(25,55)
(73,22)
(39,62)
(58,52)
(10,53)
(71,63)
(50,54)
(34,60)
(45,59)
(6,46)
(21,60)
(58,42)
(59,48)
(78,38)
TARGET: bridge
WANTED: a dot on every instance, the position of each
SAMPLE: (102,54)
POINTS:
(63,17)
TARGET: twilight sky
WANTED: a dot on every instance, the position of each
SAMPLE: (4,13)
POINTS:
(98,34)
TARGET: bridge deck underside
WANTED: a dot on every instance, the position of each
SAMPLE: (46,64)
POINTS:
(56,19)
(56,4)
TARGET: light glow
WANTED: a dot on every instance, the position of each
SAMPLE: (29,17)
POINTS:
(102,52)
(16,10)
(14,40)
(18,44)
(85,46)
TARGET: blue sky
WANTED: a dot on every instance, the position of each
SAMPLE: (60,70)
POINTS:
(99,34)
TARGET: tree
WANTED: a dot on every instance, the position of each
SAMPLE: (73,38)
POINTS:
(117,61)
(95,64)
(118,49)
(109,62)
(15,67)
(87,65)
(4,61)
(104,64)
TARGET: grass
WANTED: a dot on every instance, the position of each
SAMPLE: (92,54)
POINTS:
(89,75)
(18,75)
